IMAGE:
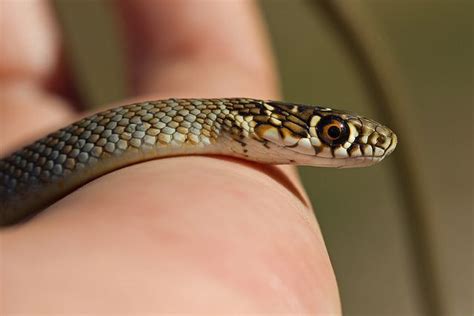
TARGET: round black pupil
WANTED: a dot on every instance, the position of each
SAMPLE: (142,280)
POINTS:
(334,132)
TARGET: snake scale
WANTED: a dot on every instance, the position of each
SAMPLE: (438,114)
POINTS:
(271,132)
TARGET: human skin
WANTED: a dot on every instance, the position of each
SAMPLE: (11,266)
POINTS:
(186,234)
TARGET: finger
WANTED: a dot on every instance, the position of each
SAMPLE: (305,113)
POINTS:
(29,44)
(213,48)
(30,41)
(186,235)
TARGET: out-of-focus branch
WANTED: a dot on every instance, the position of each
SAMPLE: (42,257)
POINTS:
(378,73)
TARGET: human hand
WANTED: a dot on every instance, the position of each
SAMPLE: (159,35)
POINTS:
(188,234)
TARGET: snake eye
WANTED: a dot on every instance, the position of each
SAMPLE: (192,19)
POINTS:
(332,130)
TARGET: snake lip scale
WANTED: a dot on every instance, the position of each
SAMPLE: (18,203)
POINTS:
(265,131)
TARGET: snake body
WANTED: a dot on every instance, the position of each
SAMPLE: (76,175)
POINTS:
(264,131)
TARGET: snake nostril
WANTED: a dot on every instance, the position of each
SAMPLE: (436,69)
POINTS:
(381,140)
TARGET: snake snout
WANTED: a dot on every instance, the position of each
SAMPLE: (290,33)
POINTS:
(370,142)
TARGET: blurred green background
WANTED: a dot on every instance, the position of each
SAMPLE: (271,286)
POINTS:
(399,234)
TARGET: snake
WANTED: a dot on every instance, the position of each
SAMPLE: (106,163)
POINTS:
(263,131)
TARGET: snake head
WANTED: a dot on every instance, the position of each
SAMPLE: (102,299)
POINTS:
(325,137)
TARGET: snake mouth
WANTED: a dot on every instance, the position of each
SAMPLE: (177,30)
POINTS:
(362,161)
(332,162)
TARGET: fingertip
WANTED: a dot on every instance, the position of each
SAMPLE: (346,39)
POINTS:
(198,48)
(29,41)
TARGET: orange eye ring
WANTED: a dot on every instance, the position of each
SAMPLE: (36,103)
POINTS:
(332,130)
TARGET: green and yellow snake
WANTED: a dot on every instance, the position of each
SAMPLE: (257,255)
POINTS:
(269,132)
